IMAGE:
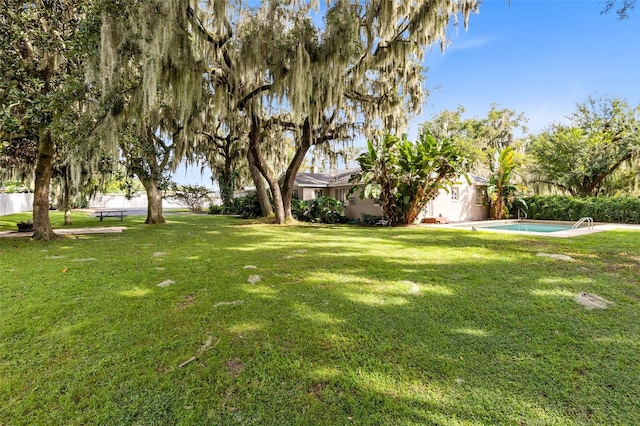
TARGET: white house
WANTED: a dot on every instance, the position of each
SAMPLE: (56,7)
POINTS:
(464,202)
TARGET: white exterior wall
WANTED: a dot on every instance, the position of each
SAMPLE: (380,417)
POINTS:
(15,203)
(309,193)
(462,210)
(365,206)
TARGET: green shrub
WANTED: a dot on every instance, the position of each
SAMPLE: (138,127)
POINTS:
(298,207)
(193,196)
(215,209)
(319,210)
(601,209)
(248,206)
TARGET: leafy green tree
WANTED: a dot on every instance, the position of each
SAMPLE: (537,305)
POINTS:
(602,138)
(359,72)
(194,196)
(404,176)
(42,58)
(226,156)
(479,137)
(502,192)
(151,79)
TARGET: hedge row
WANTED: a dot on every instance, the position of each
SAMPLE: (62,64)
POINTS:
(601,209)
(248,207)
(319,210)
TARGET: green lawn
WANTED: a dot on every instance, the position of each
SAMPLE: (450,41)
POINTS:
(348,325)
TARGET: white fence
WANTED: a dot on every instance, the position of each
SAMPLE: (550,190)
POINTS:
(15,203)
(138,201)
(119,201)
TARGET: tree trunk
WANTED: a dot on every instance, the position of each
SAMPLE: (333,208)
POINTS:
(290,176)
(261,189)
(497,207)
(227,183)
(66,197)
(254,146)
(154,201)
(44,170)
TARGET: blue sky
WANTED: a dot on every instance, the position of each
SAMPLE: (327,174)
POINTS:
(537,57)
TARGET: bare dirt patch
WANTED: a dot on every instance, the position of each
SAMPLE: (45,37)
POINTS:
(592,301)
(234,367)
(166,283)
(188,300)
(254,279)
(557,256)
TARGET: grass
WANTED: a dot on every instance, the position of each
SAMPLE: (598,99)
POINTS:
(348,325)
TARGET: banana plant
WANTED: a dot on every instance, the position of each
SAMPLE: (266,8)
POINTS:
(404,176)
(502,193)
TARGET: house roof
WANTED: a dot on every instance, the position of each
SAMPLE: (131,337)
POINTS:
(341,178)
(478,180)
(318,180)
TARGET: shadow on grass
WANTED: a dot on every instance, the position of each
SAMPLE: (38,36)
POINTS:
(378,326)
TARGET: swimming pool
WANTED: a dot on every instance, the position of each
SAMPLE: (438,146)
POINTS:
(529,227)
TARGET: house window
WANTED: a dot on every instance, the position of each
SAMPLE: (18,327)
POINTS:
(481,196)
(295,194)
(318,193)
(352,201)
(455,194)
(341,194)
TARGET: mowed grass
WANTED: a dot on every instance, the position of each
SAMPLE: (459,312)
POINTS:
(347,325)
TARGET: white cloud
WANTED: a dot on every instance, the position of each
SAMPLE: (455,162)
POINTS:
(469,43)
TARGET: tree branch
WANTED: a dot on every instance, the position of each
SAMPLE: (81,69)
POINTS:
(197,23)
(242,103)
(280,122)
(559,185)
(611,169)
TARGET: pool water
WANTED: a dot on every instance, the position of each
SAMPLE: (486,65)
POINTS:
(529,227)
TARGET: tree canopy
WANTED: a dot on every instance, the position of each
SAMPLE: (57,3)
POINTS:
(601,139)
(479,137)
(42,58)
(151,80)
(282,73)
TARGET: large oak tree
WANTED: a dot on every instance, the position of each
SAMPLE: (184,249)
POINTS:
(42,56)
(359,72)
(601,138)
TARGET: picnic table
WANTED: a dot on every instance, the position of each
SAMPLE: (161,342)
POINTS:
(110,213)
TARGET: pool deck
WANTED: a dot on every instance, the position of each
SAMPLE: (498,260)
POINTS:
(583,230)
